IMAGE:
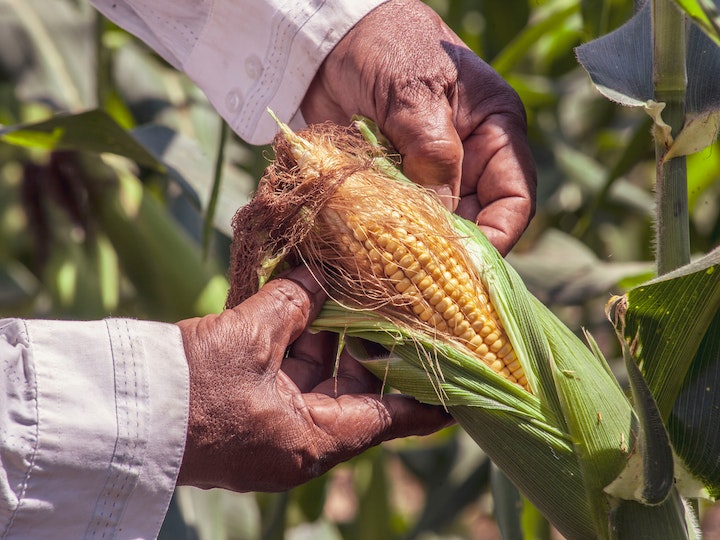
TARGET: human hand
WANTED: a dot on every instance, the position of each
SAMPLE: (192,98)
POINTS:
(261,421)
(458,125)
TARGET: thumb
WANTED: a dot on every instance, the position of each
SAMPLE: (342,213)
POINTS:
(353,423)
(285,305)
(427,139)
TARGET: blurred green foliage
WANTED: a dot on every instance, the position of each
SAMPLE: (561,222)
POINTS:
(87,234)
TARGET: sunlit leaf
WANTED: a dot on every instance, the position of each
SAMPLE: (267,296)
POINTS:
(697,133)
(92,131)
(33,139)
(703,171)
(706,16)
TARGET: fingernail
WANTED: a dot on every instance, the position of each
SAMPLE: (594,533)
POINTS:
(445,195)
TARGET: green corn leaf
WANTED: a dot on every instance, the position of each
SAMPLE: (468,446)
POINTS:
(697,410)
(672,325)
(93,131)
(668,318)
(671,520)
(648,476)
(706,15)
(620,65)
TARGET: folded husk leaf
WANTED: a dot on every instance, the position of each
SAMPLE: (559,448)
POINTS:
(673,326)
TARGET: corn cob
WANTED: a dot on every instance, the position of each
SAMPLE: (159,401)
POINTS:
(398,255)
(428,277)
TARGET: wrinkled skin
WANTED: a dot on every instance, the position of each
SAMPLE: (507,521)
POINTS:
(458,125)
(261,420)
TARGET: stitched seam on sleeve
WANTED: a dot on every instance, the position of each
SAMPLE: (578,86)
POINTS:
(33,456)
(131,439)
(283,32)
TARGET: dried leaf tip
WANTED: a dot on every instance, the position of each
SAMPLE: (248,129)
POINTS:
(301,149)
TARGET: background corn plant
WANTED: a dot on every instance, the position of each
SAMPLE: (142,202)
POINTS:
(104,211)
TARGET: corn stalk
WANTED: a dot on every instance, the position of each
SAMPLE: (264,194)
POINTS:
(670,82)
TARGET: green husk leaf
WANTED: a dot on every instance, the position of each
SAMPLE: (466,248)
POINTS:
(438,373)
(507,422)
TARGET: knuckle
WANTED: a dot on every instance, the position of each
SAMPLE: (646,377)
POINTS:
(288,297)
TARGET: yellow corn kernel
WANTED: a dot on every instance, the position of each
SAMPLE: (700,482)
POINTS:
(435,286)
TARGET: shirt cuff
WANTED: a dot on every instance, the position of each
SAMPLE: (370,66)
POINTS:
(94,421)
(255,55)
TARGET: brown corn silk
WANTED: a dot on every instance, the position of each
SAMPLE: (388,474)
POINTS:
(380,244)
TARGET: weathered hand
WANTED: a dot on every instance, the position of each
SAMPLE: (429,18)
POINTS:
(261,420)
(458,125)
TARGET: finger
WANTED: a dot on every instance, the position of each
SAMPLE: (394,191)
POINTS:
(352,423)
(351,378)
(320,103)
(503,221)
(421,129)
(311,359)
(499,174)
(281,310)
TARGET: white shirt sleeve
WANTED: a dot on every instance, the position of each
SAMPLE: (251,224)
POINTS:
(246,55)
(93,420)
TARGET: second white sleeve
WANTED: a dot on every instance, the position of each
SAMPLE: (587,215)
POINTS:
(246,55)
(255,55)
